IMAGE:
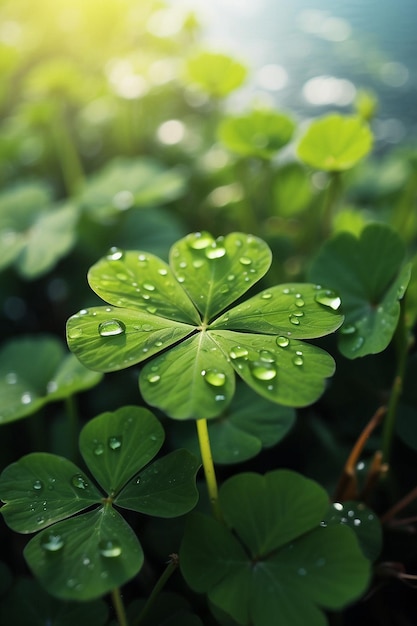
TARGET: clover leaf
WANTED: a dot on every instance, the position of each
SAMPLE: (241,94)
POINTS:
(130,183)
(371,277)
(273,556)
(259,133)
(34,233)
(173,317)
(335,142)
(362,520)
(84,556)
(35,371)
(214,73)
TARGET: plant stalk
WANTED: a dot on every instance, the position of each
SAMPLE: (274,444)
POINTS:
(166,574)
(73,428)
(207,459)
(331,200)
(72,170)
(119,607)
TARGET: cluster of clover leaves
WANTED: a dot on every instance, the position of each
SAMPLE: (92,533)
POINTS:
(277,538)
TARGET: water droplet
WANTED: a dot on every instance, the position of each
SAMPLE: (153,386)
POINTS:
(123,200)
(357,343)
(199,241)
(266,356)
(263,371)
(115,442)
(328,298)
(220,397)
(98,449)
(142,258)
(224,289)
(153,378)
(302,571)
(351,513)
(26,397)
(299,302)
(37,485)
(115,254)
(298,358)
(52,542)
(323,524)
(267,295)
(282,341)
(348,330)
(79,482)
(109,548)
(52,386)
(151,309)
(110,328)
(245,260)
(162,271)
(338,506)
(215,251)
(83,312)
(294,319)
(198,263)
(149,286)
(238,352)
(214,377)
(11,378)
(357,522)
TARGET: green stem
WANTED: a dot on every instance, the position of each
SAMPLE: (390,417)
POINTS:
(72,170)
(331,200)
(248,218)
(166,574)
(207,459)
(119,607)
(402,345)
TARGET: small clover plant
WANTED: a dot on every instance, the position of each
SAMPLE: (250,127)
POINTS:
(175,317)
(84,556)
(275,555)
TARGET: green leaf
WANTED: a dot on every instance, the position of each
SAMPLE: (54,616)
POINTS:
(192,380)
(107,339)
(141,281)
(285,563)
(116,445)
(215,272)
(40,608)
(250,501)
(166,488)
(34,233)
(292,373)
(130,183)
(42,488)
(35,371)
(214,73)
(85,557)
(297,310)
(335,142)
(362,520)
(369,275)
(260,133)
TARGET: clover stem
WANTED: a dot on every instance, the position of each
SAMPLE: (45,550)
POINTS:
(402,345)
(333,193)
(166,574)
(72,170)
(119,607)
(207,459)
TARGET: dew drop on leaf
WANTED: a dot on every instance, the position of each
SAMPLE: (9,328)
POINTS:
(153,378)
(52,542)
(298,360)
(149,286)
(79,482)
(245,260)
(98,449)
(357,344)
(214,377)
(238,352)
(348,330)
(110,328)
(299,302)
(26,398)
(37,485)
(198,263)
(115,254)
(162,271)
(282,341)
(294,319)
(115,442)
(151,309)
(199,241)
(328,298)
(266,295)
(109,548)
(266,356)
(11,378)
(215,252)
(263,371)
